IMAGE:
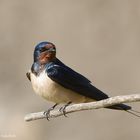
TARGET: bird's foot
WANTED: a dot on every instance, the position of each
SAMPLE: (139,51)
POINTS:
(63,109)
(47,112)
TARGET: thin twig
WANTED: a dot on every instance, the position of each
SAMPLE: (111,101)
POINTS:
(85,106)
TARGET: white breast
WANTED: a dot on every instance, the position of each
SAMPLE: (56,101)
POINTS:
(52,91)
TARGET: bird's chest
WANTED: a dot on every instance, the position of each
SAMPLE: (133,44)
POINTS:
(43,85)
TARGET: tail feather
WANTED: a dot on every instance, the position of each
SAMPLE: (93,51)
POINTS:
(133,112)
(125,108)
(120,107)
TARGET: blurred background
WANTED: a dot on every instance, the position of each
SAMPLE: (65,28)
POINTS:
(98,38)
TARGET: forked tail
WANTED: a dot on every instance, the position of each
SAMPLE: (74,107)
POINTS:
(125,108)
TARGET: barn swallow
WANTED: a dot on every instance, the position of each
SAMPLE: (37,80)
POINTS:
(56,82)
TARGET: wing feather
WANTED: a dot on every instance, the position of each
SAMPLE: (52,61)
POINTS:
(72,80)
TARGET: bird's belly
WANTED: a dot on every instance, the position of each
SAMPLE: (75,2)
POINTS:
(54,92)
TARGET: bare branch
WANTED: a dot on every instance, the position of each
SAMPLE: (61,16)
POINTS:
(85,106)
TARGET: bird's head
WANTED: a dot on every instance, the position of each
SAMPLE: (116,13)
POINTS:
(44,52)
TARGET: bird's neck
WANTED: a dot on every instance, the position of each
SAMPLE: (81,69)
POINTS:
(38,67)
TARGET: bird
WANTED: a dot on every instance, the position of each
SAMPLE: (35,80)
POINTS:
(58,83)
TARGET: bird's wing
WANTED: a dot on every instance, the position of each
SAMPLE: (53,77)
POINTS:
(28,75)
(72,80)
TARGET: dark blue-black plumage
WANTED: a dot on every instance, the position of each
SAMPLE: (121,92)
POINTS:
(72,80)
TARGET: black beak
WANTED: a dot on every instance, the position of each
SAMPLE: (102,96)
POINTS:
(52,50)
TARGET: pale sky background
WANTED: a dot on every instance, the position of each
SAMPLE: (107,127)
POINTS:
(98,38)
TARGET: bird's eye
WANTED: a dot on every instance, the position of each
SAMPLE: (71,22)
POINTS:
(43,49)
